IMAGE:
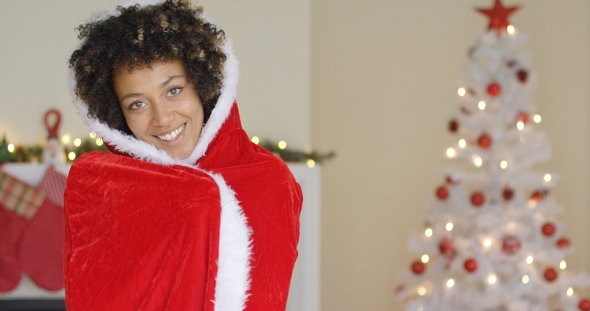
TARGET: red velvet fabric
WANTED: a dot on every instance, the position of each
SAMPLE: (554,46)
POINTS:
(142,236)
(139,236)
(271,200)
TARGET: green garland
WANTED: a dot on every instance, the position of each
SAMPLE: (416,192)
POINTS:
(35,153)
(289,155)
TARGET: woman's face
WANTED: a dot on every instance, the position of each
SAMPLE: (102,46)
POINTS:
(161,106)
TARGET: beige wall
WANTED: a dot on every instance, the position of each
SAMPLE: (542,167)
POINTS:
(272,40)
(383,79)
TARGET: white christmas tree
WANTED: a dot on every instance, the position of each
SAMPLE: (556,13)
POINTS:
(492,240)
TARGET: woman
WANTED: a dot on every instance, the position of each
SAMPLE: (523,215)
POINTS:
(185,213)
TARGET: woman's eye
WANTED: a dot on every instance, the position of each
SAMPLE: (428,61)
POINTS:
(136,105)
(175,91)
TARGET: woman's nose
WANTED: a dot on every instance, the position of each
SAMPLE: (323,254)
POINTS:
(162,115)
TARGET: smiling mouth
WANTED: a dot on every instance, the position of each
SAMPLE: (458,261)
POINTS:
(172,136)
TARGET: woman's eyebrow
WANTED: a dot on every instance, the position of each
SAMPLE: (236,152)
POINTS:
(170,79)
(130,95)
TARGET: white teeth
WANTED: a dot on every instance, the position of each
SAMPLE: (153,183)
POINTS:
(173,135)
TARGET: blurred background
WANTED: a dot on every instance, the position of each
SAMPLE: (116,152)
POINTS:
(372,80)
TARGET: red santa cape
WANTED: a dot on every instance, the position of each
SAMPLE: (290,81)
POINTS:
(216,231)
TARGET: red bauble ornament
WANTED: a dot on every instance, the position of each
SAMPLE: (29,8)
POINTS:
(539,195)
(550,274)
(507,194)
(470,265)
(498,16)
(418,267)
(493,89)
(484,141)
(453,126)
(477,199)
(522,75)
(584,305)
(523,116)
(442,192)
(563,243)
(548,229)
(510,244)
(446,248)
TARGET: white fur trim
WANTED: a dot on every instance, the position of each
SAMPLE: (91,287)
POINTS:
(235,249)
(141,150)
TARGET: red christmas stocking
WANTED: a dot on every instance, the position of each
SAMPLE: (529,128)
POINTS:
(18,204)
(40,251)
(41,248)
(11,229)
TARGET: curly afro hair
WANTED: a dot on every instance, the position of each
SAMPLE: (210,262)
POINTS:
(136,38)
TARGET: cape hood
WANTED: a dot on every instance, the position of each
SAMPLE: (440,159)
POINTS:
(123,143)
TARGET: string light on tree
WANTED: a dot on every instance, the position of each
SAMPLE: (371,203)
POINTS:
(481,105)
(450,283)
(520,125)
(510,29)
(529,259)
(72,156)
(428,232)
(422,291)
(255,140)
(492,278)
(99,142)
(570,292)
(547,177)
(92,135)
(462,143)
(450,152)
(449,226)
(77,142)
(487,243)
(537,118)
(503,164)
(461,91)
(562,265)
(310,163)
(425,258)
(477,161)
(10,148)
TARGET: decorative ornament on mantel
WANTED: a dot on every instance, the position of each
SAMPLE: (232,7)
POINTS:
(53,152)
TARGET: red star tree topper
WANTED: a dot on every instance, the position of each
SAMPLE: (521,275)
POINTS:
(498,15)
